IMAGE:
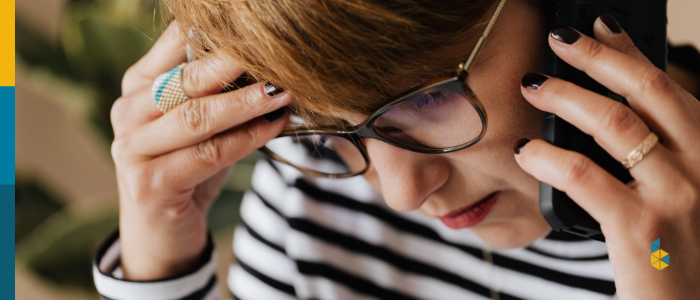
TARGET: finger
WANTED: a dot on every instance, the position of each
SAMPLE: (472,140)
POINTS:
(131,112)
(201,118)
(650,93)
(190,166)
(208,76)
(607,31)
(615,127)
(595,190)
(168,52)
(200,78)
(206,192)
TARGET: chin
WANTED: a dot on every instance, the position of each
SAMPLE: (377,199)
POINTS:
(508,235)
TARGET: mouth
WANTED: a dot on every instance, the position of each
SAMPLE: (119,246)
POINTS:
(471,215)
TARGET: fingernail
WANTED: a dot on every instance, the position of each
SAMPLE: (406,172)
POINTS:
(273,116)
(611,23)
(533,81)
(565,34)
(271,89)
(519,145)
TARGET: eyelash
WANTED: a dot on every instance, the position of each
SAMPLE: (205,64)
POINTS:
(427,99)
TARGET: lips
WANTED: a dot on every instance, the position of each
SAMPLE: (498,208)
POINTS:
(471,215)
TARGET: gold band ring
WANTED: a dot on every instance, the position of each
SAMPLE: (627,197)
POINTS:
(638,153)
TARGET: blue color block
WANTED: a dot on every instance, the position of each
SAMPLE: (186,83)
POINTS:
(665,259)
(169,76)
(656,243)
(7,136)
(654,248)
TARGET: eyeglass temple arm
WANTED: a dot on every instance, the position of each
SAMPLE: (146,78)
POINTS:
(464,69)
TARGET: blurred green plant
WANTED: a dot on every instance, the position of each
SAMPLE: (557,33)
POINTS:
(33,205)
(60,248)
(99,40)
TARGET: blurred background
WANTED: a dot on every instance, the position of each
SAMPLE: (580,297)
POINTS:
(70,58)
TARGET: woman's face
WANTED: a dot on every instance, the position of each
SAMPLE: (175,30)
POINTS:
(444,185)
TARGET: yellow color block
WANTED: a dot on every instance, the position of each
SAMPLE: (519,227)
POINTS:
(659,265)
(656,253)
(662,253)
(7,43)
(656,262)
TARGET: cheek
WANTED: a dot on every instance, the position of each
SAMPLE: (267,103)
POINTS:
(510,116)
(497,82)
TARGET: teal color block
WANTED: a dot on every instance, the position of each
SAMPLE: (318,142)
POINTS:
(7,232)
(657,243)
(654,248)
(665,259)
(170,75)
(7,136)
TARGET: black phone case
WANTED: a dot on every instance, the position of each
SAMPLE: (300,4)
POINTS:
(645,22)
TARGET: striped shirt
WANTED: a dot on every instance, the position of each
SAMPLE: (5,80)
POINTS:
(318,238)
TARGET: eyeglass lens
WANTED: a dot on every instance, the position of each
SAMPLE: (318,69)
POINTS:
(441,119)
(436,120)
(321,153)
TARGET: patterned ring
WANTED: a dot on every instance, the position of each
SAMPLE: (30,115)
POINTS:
(638,153)
(167,89)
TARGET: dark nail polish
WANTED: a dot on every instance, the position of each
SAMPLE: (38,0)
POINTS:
(611,23)
(519,145)
(533,81)
(273,116)
(565,34)
(271,89)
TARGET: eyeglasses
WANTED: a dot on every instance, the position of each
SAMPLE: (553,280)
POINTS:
(440,116)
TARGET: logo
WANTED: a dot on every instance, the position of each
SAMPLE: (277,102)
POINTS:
(659,258)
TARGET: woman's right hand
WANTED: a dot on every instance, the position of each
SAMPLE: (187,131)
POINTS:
(170,167)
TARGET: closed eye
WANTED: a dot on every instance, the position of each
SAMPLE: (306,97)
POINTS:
(430,99)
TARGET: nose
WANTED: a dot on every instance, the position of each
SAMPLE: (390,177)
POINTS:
(406,178)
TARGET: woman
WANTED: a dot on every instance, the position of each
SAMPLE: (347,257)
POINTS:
(399,230)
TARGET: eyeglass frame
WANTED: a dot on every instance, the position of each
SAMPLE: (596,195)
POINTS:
(456,83)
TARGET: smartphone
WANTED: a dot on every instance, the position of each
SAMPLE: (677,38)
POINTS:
(645,22)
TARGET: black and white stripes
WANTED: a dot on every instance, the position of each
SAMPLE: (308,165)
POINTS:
(345,243)
(199,284)
(335,239)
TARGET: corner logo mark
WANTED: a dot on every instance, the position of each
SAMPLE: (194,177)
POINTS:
(659,258)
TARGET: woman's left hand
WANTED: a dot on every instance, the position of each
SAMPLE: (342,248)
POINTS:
(663,200)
